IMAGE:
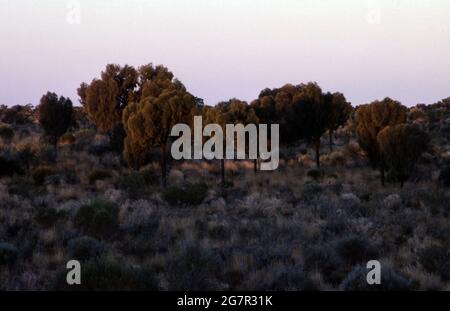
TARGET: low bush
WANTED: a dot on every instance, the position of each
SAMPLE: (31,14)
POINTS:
(436,259)
(84,248)
(189,194)
(311,189)
(137,183)
(99,218)
(193,267)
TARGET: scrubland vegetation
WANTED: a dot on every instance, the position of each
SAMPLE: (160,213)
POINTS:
(94,183)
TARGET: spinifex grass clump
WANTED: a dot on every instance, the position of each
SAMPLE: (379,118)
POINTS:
(99,218)
(188,195)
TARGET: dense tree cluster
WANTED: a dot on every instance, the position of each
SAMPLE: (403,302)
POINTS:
(303,112)
(139,107)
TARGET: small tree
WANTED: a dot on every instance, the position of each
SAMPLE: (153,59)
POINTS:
(371,119)
(339,114)
(55,116)
(148,124)
(314,109)
(401,146)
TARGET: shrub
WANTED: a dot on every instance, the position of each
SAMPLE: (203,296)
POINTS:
(391,280)
(193,267)
(104,274)
(436,259)
(325,259)
(354,249)
(190,194)
(311,189)
(99,218)
(8,254)
(136,183)
(47,216)
(84,248)
(98,175)
(9,167)
(40,173)
(6,133)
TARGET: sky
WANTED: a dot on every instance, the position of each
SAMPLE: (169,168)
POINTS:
(220,49)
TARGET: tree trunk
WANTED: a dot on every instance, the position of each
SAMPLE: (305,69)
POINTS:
(222,170)
(163,165)
(330,132)
(382,176)
(255,166)
(402,183)
(317,147)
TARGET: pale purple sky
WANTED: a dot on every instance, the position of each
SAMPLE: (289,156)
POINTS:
(219,49)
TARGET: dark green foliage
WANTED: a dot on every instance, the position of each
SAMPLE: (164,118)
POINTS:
(310,190)
(339,114)
(9,167)
(193,267)
(17,114)
(47,216)
(40,173)
(436,259)
(84,248)
(110,275)
(6,133)
(98,175)
(302,111)
(55,116)
(400,147)
(189,194)
(136,184)
(391,280)
(8,254)
(117,138)
(99,218)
